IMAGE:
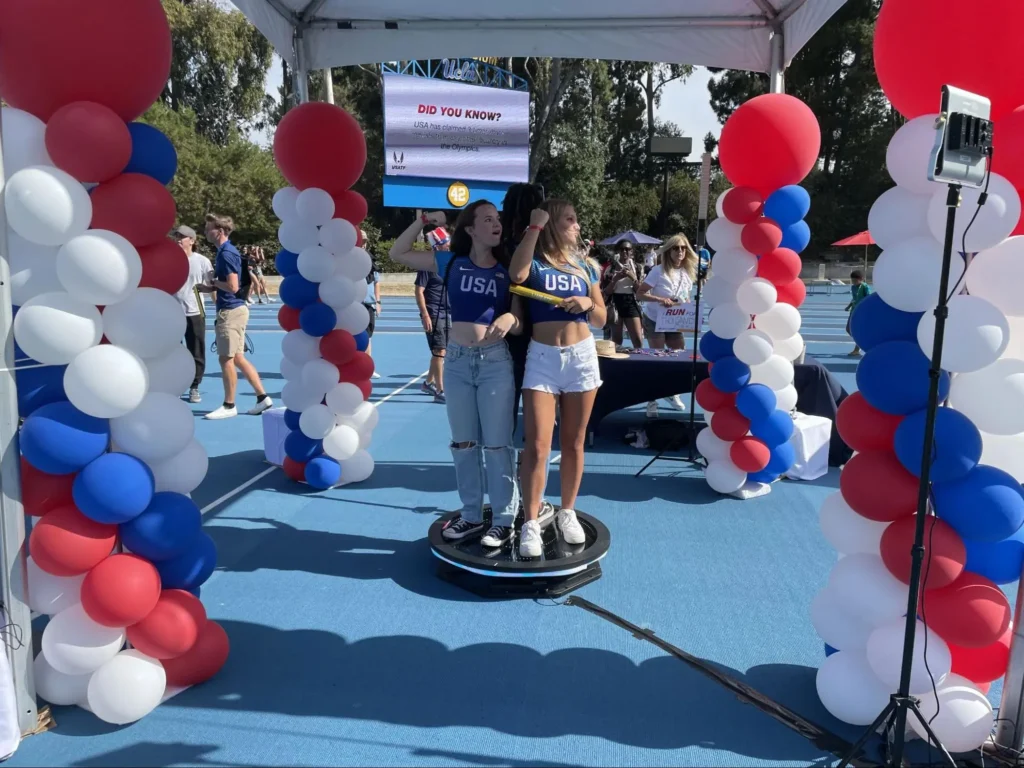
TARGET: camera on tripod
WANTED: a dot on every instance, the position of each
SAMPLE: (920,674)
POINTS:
(964,141)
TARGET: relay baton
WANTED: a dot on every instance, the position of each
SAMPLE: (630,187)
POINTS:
(529,293)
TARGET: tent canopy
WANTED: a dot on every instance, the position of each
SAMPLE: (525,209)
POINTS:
(755,35)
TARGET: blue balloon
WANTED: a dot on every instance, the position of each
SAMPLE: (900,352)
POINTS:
(38,386)
(153,154)
(956,447)
(113,489)
(317,319)
(874,322)
(300,448)
(788,205)
(59,439)
(764,476)
(323,472)
(756,401)
(291,419)
(1000,561)
(783,456)
(362,340)
(167,528)
(197,591)
(986,505)
(298,292)
(286,263)
(191,568)
(712,348)
(730,374)
(829,650)
(796,236)
(893,377)
(774,430)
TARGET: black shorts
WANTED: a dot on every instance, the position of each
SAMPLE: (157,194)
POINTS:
(373,319)
(437,339)
(626,305)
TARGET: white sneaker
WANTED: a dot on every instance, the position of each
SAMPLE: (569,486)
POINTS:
(652,410)
(263,405)
(570,527)
(374,375)
(222,413)
(530,542)
(676,402)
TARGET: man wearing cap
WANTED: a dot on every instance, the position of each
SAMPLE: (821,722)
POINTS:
(199,273)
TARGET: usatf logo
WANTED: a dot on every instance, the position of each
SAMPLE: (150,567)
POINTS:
(399,161)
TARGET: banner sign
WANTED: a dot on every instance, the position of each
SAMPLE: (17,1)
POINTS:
(446,130)
(680,318)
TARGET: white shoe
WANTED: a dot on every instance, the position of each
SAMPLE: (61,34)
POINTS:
(374,375)
(530,542)
(263,405)
(570,527)
(676,402)
(222,413)
(652,410)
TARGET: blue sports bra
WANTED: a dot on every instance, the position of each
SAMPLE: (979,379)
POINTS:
(474,293)
(546,279)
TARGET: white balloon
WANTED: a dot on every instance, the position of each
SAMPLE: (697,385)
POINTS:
(183,472)
(341,443)
(756,295)
(316,264)
(358,468)
(338,292)
(991,397)
(720,202)
(724,477)
(49,594)
(291,370)
(907,275)
(727,321)
(314,206)
(284,203)
(355,318)
(849,690)
(296,235)
(963,719)
(976,334)
(866,589)
(297,397)
(56,687)
(711,446)
(723,235)
(997,273)
(909,154)
(364,418)
(316,422)
(753,347)
(159,428)
(786,398)
(355,265)
(54,328)
(319,375)
(835,626)
(885,655)
(1005,452)
(365,440)
(1015,348)
(790,348)
(344,399)
(780,322)
(994,222)
(847,531)
(898,214)
(149,323)
(718,291)
(735,265)
(46,205)
(24,140)
(76,645)
(106,381)
(298,346)
(776,373)
(126,688)
(338,236)
(33,268)
(173,372)
(100,266)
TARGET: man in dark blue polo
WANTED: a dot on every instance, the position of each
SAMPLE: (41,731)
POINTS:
(232,318)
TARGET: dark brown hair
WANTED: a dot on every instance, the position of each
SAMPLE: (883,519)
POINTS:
(462,243)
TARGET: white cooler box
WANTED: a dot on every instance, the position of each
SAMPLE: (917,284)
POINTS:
(274,433)
(811,438)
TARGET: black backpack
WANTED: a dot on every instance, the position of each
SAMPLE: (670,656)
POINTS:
(244,279)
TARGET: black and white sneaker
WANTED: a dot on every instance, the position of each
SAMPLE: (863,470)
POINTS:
(461,529)
(497,537)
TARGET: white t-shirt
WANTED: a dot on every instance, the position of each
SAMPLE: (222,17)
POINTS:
(664,286)
(199,269)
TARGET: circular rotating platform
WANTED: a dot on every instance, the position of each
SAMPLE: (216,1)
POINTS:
(502,573)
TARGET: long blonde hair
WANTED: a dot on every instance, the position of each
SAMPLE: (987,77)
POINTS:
(690,257)
(562,253)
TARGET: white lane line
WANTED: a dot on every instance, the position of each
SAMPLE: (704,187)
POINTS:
(556,459)
(400,389)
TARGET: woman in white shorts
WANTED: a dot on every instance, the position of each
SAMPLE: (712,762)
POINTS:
(561,364)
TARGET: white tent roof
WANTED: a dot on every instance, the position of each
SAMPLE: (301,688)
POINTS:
(734,34)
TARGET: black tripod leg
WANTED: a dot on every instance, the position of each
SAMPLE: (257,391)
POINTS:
(645,466)
(857,748)
(933,739)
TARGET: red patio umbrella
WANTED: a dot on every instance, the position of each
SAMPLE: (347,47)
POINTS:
(861,238)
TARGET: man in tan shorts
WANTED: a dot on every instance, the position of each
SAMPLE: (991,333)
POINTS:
(232,317)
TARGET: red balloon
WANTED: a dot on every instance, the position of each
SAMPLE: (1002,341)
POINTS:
(749,454)
(352,207)
(729,424)
(769,142)
(366,387)
(320,145)
(1008,154)
(971,612)
(172,627)
(67,543)
(110,52)
(742,205)
(912,70)
(338,347)
(294,470)
(792,293)
(121,590)
(164,266)
(863,427)
(761,236)
(288,317)
(985,664)
(780,266)
(202,661)
(138,208)
(41,493)
(711,398)
(876,486)
(89,141)
(943,545)
(358,368)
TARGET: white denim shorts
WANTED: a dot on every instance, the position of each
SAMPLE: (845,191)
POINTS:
(557,370)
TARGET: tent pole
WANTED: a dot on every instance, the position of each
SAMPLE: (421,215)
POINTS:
(777,65)
(300,74)
(328,86)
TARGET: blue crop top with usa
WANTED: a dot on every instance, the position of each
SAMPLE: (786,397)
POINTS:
(475,294)
(546,278)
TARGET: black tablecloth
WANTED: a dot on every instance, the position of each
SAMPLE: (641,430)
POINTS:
(643,378)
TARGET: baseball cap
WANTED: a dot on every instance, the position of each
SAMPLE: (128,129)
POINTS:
(184,231)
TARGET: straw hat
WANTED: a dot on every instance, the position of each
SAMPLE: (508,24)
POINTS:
(607,349)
